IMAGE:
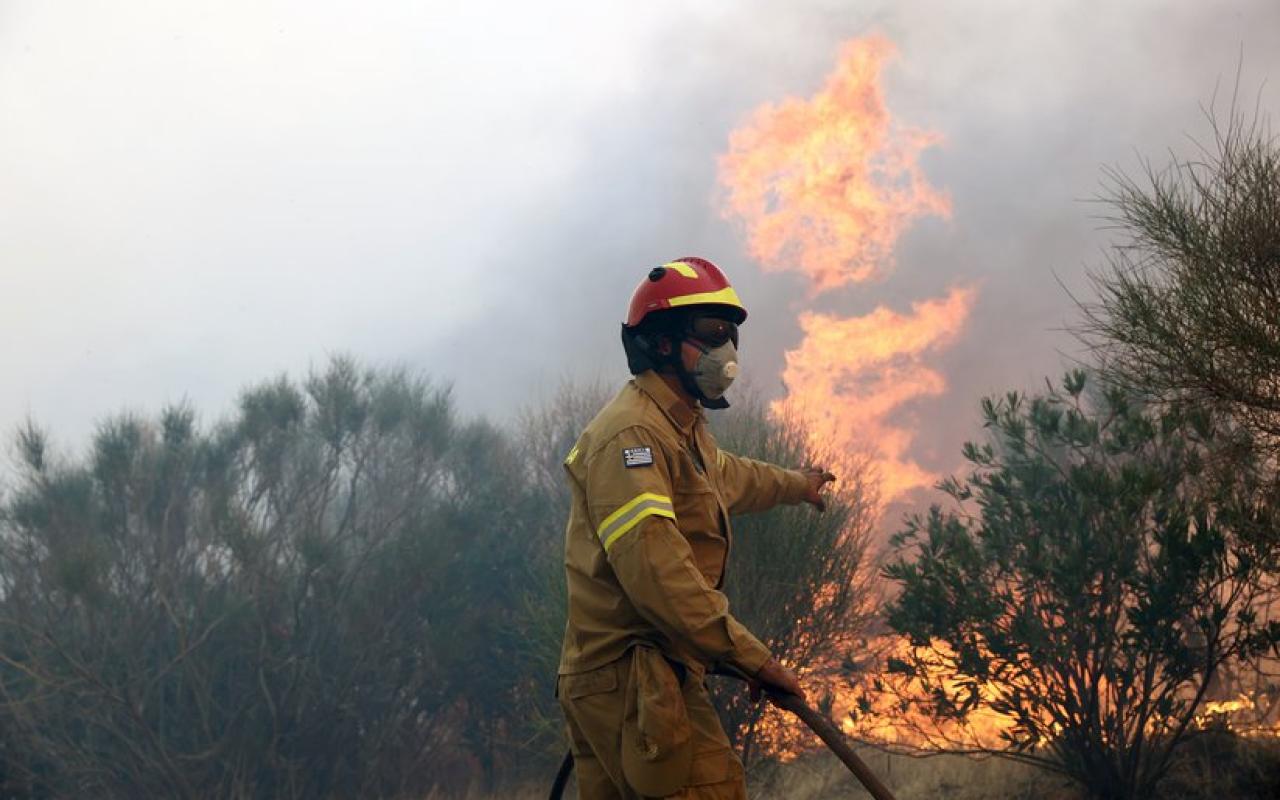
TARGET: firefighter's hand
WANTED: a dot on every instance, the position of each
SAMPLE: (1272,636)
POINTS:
(818,477)
(773,675)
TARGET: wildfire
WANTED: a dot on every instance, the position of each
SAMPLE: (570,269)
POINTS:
(826,186)
(1255,714)
(850,374)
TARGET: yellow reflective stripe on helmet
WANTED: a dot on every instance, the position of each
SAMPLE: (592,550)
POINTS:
(572,455)
(629,515)
(682,268)
(726,295)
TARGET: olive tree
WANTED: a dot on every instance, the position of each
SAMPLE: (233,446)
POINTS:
(1098,572)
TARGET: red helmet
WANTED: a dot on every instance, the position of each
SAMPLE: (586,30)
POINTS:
(686,281)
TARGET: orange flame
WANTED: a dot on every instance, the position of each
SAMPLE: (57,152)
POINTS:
(850,375)
(826,186)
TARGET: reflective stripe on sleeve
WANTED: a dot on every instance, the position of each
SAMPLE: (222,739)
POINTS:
(629,515)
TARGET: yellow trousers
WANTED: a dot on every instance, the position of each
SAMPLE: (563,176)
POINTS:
(594,707)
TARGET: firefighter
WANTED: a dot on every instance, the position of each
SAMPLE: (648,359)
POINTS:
(645,552)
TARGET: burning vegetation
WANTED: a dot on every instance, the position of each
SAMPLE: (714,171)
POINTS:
(1102,573)
(348,589)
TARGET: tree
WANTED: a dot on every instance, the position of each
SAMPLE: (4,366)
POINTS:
(545,434)
(1099,571)
(271,608)
(341,590)
(1189,303)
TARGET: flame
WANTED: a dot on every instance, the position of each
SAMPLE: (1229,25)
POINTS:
(1254,714)
(877,716)
(826,186)
(850,375)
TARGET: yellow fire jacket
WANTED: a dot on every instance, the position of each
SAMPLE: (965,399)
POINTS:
(649,533)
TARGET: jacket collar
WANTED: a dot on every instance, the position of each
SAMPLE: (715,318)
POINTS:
(675,409)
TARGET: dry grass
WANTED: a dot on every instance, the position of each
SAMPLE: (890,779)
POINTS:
(530,792)
(1219,767)
(821,776)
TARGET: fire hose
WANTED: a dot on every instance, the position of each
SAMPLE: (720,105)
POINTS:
(817,722)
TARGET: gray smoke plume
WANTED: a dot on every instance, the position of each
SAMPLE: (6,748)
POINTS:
(197,196)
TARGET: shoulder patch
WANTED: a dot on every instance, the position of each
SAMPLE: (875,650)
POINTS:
(637,457)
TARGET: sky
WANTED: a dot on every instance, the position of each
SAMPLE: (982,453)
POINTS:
(198,196)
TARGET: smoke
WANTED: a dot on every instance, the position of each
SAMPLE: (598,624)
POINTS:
(197,196)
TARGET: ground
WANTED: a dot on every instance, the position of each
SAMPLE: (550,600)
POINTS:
(1212,766)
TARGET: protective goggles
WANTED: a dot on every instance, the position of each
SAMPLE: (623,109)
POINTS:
(713,331)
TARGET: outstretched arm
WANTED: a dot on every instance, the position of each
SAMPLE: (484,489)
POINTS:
(750,486)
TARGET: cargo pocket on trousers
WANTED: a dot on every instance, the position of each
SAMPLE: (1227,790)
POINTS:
(657,746)
(715,766)
(589,700)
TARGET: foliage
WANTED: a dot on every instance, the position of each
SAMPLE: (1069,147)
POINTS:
(342,590)
(308,601)
(545,435)
(1190,301)
(1099,571)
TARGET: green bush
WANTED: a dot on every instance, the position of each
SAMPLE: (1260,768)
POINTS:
(1105,561)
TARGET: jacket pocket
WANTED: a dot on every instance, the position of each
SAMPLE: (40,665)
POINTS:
(697,504)
(657,748)
(585,684)
(689,476)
